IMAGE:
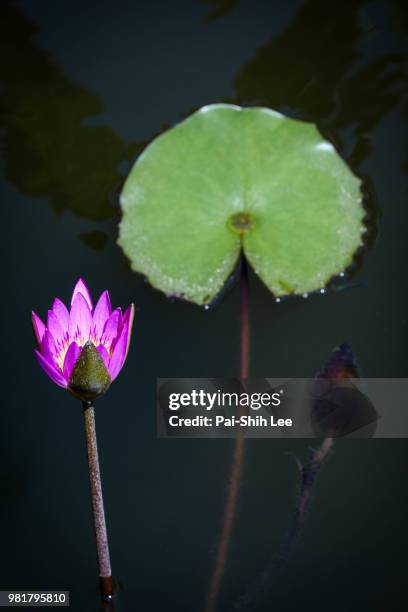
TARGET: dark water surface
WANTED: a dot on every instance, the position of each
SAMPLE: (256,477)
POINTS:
(84,86)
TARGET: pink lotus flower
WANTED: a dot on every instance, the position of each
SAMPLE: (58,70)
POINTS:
(83,350)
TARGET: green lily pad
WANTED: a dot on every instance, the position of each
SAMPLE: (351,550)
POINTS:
(231,178)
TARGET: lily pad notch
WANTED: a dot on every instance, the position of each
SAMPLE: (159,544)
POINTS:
(228,180)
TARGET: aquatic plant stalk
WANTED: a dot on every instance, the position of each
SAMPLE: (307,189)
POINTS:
(264,582)
(309,472)
(237,458)
(340,366)
(101,535)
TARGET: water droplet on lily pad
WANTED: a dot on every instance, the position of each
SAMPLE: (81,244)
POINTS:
(230,178)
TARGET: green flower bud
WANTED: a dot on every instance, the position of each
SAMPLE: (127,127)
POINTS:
(90,379)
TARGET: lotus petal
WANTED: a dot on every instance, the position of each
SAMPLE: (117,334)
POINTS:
(38,327)
(128,323)
(104,354)
(70,360)
(112,328)
(101,314)
(80,320)
(55,328)
(62,314)
(50,369)
(83,290)
(118,356)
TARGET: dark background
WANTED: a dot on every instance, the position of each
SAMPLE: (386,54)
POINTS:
(85,85)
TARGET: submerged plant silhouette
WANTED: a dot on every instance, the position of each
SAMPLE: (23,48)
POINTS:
(49,151)
(83,351)
(341,366)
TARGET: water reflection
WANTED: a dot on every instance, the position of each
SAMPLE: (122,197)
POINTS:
(48,151)
(316,70)
(94,240)
(220,8)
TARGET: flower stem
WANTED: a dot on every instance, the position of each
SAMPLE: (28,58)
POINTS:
(245,329)
(237,457)
(102,546)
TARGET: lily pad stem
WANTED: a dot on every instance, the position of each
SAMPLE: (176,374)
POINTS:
(102,546)
(237,458)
